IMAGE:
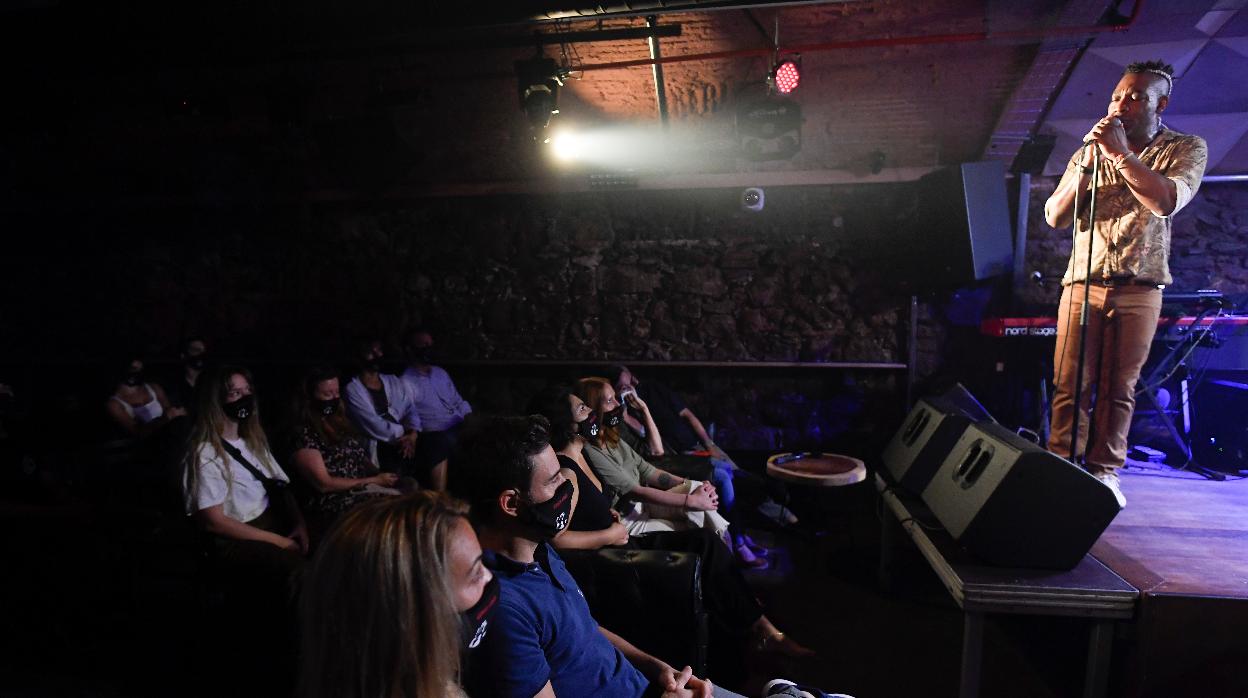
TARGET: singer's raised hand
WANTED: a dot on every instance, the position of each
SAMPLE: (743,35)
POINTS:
(1109,135)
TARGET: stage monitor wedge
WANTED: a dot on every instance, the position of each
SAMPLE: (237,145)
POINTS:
(927,435)
(1011,503)
(963,232)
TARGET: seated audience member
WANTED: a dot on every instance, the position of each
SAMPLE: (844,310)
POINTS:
(228,477)
(655,500)
(543,642)
(394,595)
(180,386)
(139,408)
(330,455)
(438,403)
(680,431)
(255,532)
(594,524)
(383,407)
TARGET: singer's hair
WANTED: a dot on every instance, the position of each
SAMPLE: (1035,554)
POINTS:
(1159,68)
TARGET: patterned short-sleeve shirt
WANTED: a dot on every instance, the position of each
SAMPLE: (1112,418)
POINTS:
(1130,241)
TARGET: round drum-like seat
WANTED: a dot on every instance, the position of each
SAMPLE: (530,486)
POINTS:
(816,469)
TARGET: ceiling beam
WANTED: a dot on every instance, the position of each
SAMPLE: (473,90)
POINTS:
(1035,91)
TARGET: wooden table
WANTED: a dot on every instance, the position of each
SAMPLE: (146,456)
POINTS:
(1090,590)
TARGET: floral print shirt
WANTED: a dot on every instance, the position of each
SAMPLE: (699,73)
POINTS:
(1130,241)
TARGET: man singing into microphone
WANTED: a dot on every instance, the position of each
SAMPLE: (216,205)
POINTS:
(1147,173)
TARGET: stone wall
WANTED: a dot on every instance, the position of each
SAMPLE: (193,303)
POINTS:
(612,276)
(607,276)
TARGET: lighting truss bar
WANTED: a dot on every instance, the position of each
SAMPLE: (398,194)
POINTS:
(583,37)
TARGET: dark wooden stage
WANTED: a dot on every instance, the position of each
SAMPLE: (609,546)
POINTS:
(1162,596)
(1182,542)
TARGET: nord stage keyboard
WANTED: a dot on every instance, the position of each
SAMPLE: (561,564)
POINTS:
(1171,326)
(1168,327)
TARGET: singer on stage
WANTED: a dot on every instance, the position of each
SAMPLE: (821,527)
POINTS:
(1147,174)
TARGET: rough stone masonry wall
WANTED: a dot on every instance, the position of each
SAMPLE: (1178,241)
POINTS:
(618,275)
(603,276)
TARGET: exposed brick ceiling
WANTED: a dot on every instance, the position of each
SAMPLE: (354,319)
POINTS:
(103,84)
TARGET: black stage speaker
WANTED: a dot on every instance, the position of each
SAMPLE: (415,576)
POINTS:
(1219,429)
(1011,503)
(963,231)
(931,429)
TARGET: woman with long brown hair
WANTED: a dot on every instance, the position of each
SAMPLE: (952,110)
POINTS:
(330,455)
(393,596)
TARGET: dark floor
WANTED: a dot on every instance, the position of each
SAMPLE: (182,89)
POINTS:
(86,614)
(903,642)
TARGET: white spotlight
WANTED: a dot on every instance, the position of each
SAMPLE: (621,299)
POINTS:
(567,146)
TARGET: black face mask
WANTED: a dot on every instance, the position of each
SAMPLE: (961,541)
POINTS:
(551,516)
(326,408)
(423,355)
(614,417)
(241,408)
(373,365)
(477,619)
(197,362)
(133,379)
(589,428)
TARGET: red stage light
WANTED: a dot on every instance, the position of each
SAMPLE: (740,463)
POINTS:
(787,76)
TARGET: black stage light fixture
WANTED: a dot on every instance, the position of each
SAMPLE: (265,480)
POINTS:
(769,129)
(538,81)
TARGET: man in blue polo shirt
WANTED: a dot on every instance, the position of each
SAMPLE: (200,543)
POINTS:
(543,642)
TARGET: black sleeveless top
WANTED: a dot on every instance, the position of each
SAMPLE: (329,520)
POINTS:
(593,509)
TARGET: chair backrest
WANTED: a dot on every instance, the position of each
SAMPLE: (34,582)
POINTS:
(652,598)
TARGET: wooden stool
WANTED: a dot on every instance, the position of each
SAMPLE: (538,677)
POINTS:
(826,472)
(817,469)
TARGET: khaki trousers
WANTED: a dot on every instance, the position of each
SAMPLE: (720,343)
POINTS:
(1121,323)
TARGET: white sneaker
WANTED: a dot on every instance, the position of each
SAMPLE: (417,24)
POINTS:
(1110,479)
(777,512)
(783,688)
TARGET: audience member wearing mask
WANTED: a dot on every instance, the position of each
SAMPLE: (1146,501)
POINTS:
(139,408)
(228,474)
(384,408)
(670,427)
(649,498)
(393,600)
(330,455)
(193,360)
(542,641)
(439,404)
(733,608)
(256,534)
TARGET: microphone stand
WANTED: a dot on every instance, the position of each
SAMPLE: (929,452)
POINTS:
(1083,310)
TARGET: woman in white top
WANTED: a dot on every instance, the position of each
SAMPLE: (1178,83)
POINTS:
(139,407)
(257,536)
(227,499)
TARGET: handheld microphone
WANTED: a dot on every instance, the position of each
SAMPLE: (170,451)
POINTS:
(1114,121)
